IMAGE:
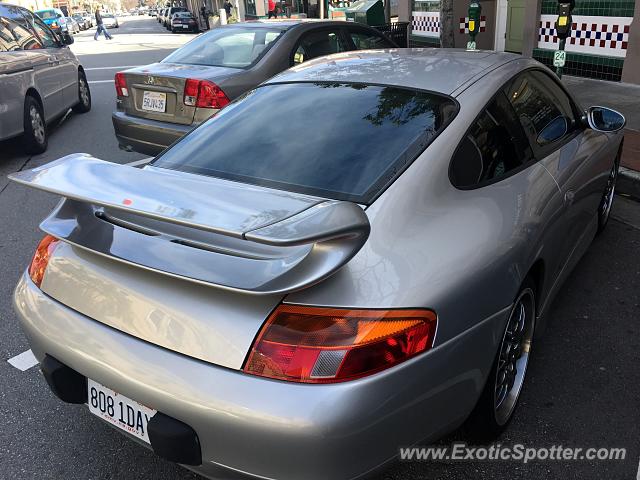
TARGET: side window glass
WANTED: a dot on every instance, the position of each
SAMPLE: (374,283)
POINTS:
(317,44)
(16,35)
(543,109)
(493,147)
(364,41)
(47,37)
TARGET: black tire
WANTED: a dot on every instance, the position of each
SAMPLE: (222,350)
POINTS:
(604,208)
(490,418)
(84,97)
(34,138)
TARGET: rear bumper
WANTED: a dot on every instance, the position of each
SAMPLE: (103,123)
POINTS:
(146,136)
(250,426)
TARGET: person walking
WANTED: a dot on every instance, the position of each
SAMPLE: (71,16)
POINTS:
(272,9)
(227,8)
(101,27)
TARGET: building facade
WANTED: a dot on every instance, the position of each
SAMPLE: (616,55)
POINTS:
(604,42)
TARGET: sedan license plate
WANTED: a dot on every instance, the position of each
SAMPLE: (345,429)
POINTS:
(154,101)
(185,26)
(124,413)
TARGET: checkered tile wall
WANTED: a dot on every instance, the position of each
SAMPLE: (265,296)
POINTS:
(607,36)
(425,24)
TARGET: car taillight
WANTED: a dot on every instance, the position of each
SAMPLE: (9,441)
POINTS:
(204,94)
(41,258)
(327,345)
(121,85)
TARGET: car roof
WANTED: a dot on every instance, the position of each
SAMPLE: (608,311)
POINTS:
(436,69)
(289,22)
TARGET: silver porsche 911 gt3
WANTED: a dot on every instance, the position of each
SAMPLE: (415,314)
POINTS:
(351,258)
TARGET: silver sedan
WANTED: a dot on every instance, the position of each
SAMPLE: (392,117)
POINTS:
(352,258)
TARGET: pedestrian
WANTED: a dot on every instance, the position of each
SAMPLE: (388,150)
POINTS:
(272,9)
(101,27)
(227,8)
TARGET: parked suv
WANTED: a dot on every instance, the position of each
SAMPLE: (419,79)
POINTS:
(166,21)
(54,18)
(40,78)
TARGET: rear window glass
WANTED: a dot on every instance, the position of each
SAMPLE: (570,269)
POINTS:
(340,141)
(47,14)
(226,47)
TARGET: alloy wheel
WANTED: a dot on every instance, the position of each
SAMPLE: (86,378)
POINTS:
(37,124)
(514,356)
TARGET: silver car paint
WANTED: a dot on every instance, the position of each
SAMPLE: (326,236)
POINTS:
(463,253)
(51,74)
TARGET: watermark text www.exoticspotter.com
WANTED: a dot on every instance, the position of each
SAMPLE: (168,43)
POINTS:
(516,453)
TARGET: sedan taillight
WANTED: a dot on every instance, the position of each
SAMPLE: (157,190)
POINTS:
(204,94)
(327,345)
(121,85)
(41,258)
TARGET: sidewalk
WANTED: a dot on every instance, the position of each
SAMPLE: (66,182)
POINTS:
(625,98)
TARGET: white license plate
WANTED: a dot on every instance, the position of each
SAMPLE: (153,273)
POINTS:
(154,101)
(124,413)
(185,26)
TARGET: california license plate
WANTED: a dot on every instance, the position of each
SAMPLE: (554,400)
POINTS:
(154,101)
(124,413)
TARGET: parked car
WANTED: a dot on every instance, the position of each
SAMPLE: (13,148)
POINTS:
(158,103)
(54,18)
(352,257)
(81,20)
(169,15)
(89,19)
(153,12)
(161,14)
(109,20)
(184,22)
(40,78)
(72,25)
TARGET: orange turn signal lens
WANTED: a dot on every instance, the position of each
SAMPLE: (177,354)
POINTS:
(40,260)
(326,345)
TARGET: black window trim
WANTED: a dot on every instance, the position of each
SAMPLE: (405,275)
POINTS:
(397,173)
(542,152)
(352,27)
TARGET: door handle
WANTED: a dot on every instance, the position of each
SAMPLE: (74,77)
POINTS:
(569,197)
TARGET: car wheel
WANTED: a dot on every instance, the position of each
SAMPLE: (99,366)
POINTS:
(604,209)
(35,129)
(84,95)
(499,399)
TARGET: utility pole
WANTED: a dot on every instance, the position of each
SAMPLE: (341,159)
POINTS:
(446,24)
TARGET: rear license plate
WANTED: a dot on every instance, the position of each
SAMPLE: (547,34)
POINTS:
(124,413)
(185,26)
(154,101)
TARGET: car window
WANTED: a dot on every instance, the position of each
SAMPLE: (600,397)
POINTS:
(47,14)
(494,147)
(544,110)
(47,37)
(15,35)
(282,139)
(226,47)
(367,40)
(316,44)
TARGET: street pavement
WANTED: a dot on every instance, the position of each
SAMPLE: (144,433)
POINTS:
(583,387)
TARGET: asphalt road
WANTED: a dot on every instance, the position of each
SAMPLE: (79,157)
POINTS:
(583,386)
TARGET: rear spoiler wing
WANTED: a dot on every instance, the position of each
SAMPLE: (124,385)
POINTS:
(317,237)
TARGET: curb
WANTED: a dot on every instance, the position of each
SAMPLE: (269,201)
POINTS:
(629,182)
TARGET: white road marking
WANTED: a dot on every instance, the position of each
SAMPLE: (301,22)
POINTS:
(24,361)
(110,68)
(100,81)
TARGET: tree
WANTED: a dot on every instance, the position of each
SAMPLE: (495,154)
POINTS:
(446,24)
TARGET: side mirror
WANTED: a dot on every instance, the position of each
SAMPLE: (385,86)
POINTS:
(603,119)
(67,39)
